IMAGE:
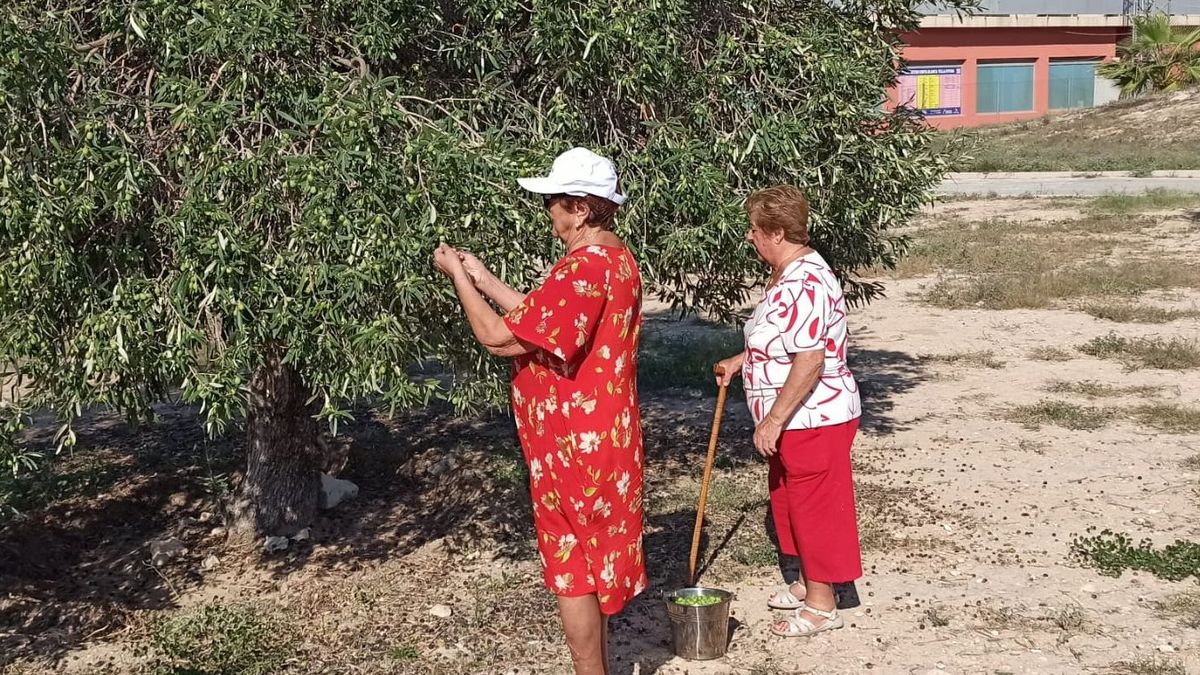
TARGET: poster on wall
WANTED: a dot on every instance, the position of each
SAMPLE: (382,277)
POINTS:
(934,90)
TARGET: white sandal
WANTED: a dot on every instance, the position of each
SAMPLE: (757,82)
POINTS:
(798,626)
(785,599)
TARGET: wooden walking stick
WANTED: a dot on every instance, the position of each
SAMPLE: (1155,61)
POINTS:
(708,466)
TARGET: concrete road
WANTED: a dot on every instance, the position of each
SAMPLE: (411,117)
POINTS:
(1065,184)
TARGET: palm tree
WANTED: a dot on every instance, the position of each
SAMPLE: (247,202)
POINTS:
(1157,58)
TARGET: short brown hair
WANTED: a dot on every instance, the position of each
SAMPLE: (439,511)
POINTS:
(782,207)
(601,211)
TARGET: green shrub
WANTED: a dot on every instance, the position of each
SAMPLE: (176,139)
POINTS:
(1112,553)
(219,640)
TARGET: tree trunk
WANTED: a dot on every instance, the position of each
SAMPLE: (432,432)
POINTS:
(280,492)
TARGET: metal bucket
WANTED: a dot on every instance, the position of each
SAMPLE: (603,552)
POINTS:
(699,633)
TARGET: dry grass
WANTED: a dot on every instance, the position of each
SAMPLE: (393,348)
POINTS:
(998,245)
(1039,289)
(1166,417)
(1029,445)
(1069,619)
(981,359)
(1004,264)
(1059,413)
(937,616)
(1142,134)
(1093,389)
(1163,353)
(1000,618)
(1147,665)
(1153,200)
(381,623)
(1125,312)
(1191,463)
(1051,354)
(1183,606)
(1169,417)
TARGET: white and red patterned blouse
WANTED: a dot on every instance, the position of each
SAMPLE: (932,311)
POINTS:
(804,311)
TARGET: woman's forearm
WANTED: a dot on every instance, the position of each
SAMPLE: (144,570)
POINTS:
(501,293)
(736,362)
(488,326)
(805,372)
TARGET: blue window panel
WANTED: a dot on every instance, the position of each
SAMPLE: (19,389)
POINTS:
(1072,84)
(1004,87)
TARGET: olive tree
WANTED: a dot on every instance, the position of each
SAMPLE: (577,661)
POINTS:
(235,202)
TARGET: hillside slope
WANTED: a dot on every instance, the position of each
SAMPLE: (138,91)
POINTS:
(1143,134)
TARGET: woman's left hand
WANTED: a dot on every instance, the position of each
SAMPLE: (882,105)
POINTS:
(447,261)
(766,436)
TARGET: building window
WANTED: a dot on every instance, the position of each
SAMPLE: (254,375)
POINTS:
(1005,87)
(1072,84)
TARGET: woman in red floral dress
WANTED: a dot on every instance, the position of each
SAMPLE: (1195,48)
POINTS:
(574,344)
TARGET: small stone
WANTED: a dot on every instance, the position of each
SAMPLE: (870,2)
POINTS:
(1166,649)
(218,532)
(162,550)
(441,466)
(303,535)
(275,544)
(179,499)
(210,563)
(441,611)
(334,491)
(205,517)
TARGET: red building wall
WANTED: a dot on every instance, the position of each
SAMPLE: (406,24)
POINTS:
(968,46)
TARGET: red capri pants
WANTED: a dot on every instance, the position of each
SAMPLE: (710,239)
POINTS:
(812,500)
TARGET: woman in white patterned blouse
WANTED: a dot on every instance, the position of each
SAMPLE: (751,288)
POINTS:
(806,407)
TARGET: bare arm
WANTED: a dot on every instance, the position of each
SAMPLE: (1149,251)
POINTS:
(489,284)
(806,370)
(488,326)
(501,293)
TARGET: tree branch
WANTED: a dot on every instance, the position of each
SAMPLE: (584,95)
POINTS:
(356,63)
(96,44)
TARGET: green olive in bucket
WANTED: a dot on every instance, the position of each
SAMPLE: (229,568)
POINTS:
(698,600)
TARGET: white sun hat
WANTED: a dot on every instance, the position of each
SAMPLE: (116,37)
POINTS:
(578,172)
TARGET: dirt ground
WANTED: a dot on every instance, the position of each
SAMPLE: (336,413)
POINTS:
(967,518)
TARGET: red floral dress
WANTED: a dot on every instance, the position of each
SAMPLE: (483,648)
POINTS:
(576,405)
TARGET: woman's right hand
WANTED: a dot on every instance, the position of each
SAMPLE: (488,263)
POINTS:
(729,368)
(445,258)
(473,266)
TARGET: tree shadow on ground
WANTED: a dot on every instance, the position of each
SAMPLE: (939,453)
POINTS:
(77,564)
(79,567)
(883,377)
